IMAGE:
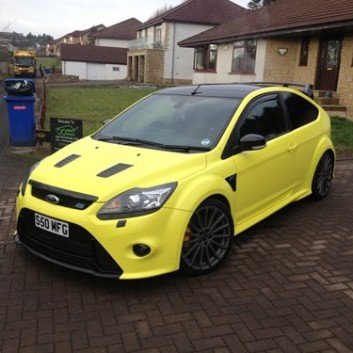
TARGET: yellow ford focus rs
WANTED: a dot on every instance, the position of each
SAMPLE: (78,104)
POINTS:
(168,183)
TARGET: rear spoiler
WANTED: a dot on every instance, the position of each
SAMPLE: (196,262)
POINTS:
(307,88)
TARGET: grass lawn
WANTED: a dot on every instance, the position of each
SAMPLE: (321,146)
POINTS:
(95,104)
(342,136)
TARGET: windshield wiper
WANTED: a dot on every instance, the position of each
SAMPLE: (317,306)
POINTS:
(135,141)
(140,142)
(186,148)
(120,139)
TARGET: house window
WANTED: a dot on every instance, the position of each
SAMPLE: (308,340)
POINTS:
(244,55)
(157,37)
(116,68)
(304,52)
(205,58)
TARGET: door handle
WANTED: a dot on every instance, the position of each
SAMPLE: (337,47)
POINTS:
(292,147)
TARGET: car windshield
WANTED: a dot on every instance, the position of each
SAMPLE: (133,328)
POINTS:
(23,61)
(175,122)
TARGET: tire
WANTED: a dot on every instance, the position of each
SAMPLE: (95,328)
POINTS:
(208,238)
(323,177)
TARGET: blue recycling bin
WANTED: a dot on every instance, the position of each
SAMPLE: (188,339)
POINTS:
(21,112)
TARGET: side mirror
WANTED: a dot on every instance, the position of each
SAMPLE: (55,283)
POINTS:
(252,142)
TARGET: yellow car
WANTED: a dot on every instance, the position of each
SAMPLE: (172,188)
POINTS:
(168,183)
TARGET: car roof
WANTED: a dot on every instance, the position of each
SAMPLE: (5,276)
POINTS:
(212,90)
(231,90)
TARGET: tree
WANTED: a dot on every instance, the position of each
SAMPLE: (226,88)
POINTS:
(162,10)
(41,39)
(258,4)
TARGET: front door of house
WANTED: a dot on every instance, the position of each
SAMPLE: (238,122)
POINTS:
(329,63)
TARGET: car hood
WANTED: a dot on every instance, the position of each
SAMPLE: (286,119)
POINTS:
(104,169)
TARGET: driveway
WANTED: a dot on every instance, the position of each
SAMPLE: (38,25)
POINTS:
(287,287)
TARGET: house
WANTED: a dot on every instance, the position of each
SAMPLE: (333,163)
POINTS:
(90,62)
(117,35)
(98,54)
(290,40)
(83,37)
(155,57)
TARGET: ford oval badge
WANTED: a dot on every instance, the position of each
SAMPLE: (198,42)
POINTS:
(52,199)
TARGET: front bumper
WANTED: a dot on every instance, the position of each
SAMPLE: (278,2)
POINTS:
(80,252)
(104,248)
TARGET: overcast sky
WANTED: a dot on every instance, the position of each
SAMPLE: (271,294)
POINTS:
(58,18)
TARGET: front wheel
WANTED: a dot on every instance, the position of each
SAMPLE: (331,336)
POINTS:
(207,239)
(323,177)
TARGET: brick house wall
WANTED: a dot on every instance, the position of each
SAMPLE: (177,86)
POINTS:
(280,68)
(154,65)
(286,68)
(146,65)
(307,74)
(345,79)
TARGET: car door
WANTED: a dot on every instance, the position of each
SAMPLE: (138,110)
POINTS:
(264,176)
(304,137)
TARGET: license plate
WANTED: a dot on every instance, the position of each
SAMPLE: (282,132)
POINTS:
(51,225)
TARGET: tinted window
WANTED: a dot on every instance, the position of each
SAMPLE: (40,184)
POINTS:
(264,117)
(300,110)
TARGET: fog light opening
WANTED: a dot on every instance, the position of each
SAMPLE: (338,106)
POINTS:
(141,250)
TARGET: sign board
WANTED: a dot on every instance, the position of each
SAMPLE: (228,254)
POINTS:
(64,131)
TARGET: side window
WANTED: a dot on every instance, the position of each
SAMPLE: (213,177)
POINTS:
(300,110)
(264,117)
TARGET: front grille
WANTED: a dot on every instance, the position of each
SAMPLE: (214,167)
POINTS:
(66,198)
(80,251)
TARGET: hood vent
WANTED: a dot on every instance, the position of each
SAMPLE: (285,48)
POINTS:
(67,160)
(114,170)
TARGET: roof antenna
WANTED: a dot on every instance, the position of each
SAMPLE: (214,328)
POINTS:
(195,90)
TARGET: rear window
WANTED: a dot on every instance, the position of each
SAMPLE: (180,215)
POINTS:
(300,110)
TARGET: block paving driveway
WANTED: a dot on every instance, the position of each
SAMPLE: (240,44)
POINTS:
(287,287)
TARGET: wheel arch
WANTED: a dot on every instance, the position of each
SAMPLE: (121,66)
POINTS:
(220,198)
(197,191)
(325,146)
(323,175)
(211,188)
(214,234)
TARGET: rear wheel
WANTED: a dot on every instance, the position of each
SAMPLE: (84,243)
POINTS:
(323,177)
(207,239)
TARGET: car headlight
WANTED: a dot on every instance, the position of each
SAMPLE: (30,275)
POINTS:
(25,179)
(136,202)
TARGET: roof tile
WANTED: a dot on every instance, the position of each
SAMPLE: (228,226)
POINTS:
(93,54)
(123,30)
(199,11)
(282,15)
